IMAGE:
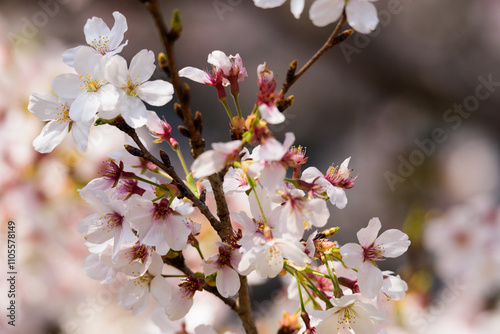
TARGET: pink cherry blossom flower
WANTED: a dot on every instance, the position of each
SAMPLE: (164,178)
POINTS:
(134,258)
(362,256)
(361,14)
(133,86)
(56,111)
(296,6)
(160,224)
(99,264)
(348,315)
(89,88)
(213,161)
(135,294)
(100,38)
(225,70)
(228,279)
(333,183)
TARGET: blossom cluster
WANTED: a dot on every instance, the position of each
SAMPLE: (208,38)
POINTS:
(147,219)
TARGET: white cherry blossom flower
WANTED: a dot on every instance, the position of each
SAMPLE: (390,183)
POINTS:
(361,14)
(267,259)
(108,223)
(391,243)
(212,161)
(348,315)
(89,87)
(56,111)
(135,294)
(297,213)
(296,6)
(228,279)
(133,86)
(267,96)
(100,38)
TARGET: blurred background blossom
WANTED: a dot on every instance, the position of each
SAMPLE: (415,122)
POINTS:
(381,98)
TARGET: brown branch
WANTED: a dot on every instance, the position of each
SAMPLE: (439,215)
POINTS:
(244,309)
(145,154)
(292,77)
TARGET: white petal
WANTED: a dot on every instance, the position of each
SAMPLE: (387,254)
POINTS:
(268,3)
(94,29)
(352,255)
(324,12)
(370,280)
(67,85)
(393,242)
(52,135)
(293,252)
(220,60)
(208,163)
(84,107)
(272,176)
(116,71)
(156,93)
(134,112)
(142,65)
(337,196)
(194,74)
(362,16)
(68,56)
(367,235)
(179,305)
(45,107)
(227,282)
(161,290)
(271,114)
(296,7)
(118,30)
(270,263)
(81,131)
(108,97)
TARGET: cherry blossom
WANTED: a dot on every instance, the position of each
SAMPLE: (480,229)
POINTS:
(267,97)
(348,313)
(182,298)
(212,161)
(361,14)
(227,280)
(391,243)
(56,111)
(108,223)
(100,38)
(160,224)
(296,6)
(89,87)
(333,183)
(133,86)
(135,294)
(268,259)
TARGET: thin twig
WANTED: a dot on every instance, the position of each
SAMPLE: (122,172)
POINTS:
(331,41)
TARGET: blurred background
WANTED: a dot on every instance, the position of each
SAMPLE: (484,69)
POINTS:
(415,104)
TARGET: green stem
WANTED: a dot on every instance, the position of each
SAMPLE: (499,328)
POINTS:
(237,104)
(226,106)
(181,158)
(150,182)
(337,291)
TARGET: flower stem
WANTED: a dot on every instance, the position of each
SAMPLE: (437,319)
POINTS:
(181,159)
(237,103)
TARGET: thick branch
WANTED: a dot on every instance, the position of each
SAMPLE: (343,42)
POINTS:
(244,307)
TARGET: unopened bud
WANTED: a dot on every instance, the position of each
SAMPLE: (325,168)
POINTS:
(134,151)
(176,25)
